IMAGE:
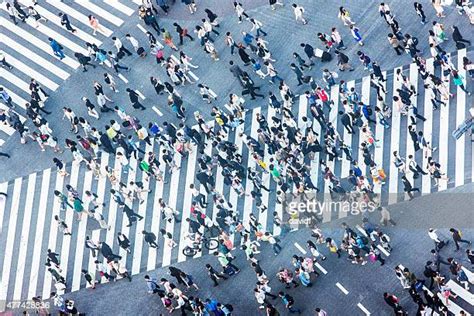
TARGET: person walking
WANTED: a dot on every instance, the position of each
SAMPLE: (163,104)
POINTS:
(66,23)
(134,99)
(356,35)
(408,187)
(3,60)
(57,49)
(150,239)
(214,275)
(298,11)
(459,81)
(457,237)
(131,215)
(289,302)
(95,25)
(121,50)
(393,41)
(182,33)
(419,11)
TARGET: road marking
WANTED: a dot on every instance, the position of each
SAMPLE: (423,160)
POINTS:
(123,78)
(157,111)
(35,41)
(3,202)
(460,117)
(34,57)
(196,78)
(362,307)
(343,289)
(100,12)
(141,28)
(461,292)
(394,144)
(300,248)
(427,130)
(140,94)
(382,249)
(77,16)
(321,268)
(444,137)
(120,7)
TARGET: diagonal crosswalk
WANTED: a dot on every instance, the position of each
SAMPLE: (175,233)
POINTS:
(26,46)
(28,228)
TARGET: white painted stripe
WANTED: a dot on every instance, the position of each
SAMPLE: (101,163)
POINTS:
(73,13)
(3,202)
(120,7)
(345,164)
(469,274)
(156,217)
(34,57)
(190,173)
(213,94)
(362,231)
(35,41)
(16,100)
(172,201)
(38,242)
(7,129)
(8,253)
(365,98)
(100,12)
(30,72)
(379,134)
(157,111)
(427,129)
(141,28)
(460,117)
(81,236)
(102,181)
(394,144)
(52,234)
(461,292)
(55,19)
(444,138)
(25,231)
(112,209)
(2,142)
(343,289)
(70,219)
(123,78)
(248,201)
(15,80)
(320,267)
(192,74)
(413,77)
(315,172)
(140,95)
(297,245)
(137,2)
(362,308)
(138,245)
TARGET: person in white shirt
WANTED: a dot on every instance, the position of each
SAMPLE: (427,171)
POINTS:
(120,48)
(299,11)
(438,242)
(240,11)
(257,25)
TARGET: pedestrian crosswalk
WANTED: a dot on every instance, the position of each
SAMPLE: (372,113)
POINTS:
(26,46)
(28,228)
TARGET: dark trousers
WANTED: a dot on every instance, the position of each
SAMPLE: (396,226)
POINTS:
(137,105)
(215,276)
(125,51)
(456,242)
(181,37)
(118,66)
(4,63)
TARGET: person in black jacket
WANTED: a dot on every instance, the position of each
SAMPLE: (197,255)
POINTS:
(134,99)
(83,60)
(182,32)
(458,39)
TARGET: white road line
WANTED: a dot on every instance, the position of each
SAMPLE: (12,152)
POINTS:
(140,95)
(248,201)
(365,98)
(460,117)
(427,130)
(73,13)
(137,2)
(81,236)
(394,144)
(362,307)
(157,111)
(52,234)
(141,28)
(35,258)
(36,42)
(120,7)
(7,129)
(55,19)
(343,289)
(176,59)
(8,254)
(444,137)
(156,219)
(2,142)
(413,77)
(213,94)
(25,230)
(461,292)
(123,78)
(34,57)
(138,245)
(30,72)
(298,246)
(379,134)
(3,202)
(320,267)
(70,221)
(98,11)
(15,80)
(172,201)
(469,274)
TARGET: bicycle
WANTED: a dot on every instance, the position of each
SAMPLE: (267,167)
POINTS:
(209,243)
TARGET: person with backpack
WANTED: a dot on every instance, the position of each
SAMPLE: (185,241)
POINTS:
(457,237)
(289,302)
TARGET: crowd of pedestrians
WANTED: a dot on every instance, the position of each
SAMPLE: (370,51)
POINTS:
(290,146)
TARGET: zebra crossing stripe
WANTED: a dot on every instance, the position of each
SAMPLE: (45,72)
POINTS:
(443,135)
(30,72)
(53,234)
(3,202)
(8,254)
(25,230)
(106,15)
(427,130)
(81,235)
(140,226)
(40,228)
(460,117)
(120,7)
(36,42)
(410,150)
(394,143)
(34,57)
(55,19)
